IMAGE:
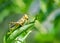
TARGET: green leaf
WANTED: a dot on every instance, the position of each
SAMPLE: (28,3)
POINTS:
(40,27)
(3,14)
(17,32)
(43,6)
(20,4)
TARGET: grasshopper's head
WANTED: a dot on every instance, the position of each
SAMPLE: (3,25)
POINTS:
(26,16)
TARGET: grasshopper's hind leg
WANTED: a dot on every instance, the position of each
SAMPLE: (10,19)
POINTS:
(12,25)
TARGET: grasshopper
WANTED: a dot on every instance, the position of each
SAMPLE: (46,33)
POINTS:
(18,24)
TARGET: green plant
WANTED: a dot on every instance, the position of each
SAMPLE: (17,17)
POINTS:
(45,15)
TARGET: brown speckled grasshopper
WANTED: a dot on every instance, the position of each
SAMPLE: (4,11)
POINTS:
(17,24)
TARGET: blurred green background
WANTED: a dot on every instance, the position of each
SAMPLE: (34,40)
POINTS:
(47,12)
